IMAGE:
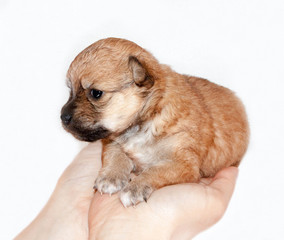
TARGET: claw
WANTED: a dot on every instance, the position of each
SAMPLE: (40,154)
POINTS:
(133,203)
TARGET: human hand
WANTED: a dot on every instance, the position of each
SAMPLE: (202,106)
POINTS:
(173,212)
(65,216)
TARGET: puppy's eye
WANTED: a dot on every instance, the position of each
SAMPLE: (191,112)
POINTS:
(96,94)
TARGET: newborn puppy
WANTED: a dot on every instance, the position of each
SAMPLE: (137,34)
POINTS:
(164,127)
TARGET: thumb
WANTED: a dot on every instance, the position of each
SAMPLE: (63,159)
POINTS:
(86,163)
(224,183)
(92,149)
(91,152)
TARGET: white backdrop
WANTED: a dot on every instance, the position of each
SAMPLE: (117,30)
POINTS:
(238,44)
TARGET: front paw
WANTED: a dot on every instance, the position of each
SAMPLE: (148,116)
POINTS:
(110,182)
(134,193)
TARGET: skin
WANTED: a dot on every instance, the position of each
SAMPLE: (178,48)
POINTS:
(173,212)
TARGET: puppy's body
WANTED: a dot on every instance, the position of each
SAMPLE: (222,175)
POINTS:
(166,127)
(195,116)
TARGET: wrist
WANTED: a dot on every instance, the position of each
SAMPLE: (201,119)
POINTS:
(59,219)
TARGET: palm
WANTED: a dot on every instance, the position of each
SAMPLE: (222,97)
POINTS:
(184,204)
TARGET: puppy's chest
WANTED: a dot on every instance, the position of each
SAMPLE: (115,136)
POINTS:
(141,146)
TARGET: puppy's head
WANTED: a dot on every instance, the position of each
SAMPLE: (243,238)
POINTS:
(111,84)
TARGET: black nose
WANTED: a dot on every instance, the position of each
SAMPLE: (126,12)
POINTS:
(66,118)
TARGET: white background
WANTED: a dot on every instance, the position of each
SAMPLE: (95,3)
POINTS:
(238,44)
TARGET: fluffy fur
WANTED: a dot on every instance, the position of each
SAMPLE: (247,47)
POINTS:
(165,127)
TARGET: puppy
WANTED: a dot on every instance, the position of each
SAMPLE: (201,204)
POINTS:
(164,127)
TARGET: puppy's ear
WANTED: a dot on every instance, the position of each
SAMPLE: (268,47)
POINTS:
(140,75)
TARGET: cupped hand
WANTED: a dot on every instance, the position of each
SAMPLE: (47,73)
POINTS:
(174,212)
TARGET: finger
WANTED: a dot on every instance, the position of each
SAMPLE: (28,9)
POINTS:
(92,149)
(205,181)
(90,152)
(88,161)
(224,182)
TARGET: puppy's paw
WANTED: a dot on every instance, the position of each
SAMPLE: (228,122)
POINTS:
(110,183)
(134,193)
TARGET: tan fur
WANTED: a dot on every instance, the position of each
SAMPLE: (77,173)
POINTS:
(166,127)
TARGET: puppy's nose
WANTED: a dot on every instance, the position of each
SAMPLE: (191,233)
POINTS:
(66,118)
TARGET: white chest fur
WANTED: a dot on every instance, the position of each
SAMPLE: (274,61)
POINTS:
(140,144)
